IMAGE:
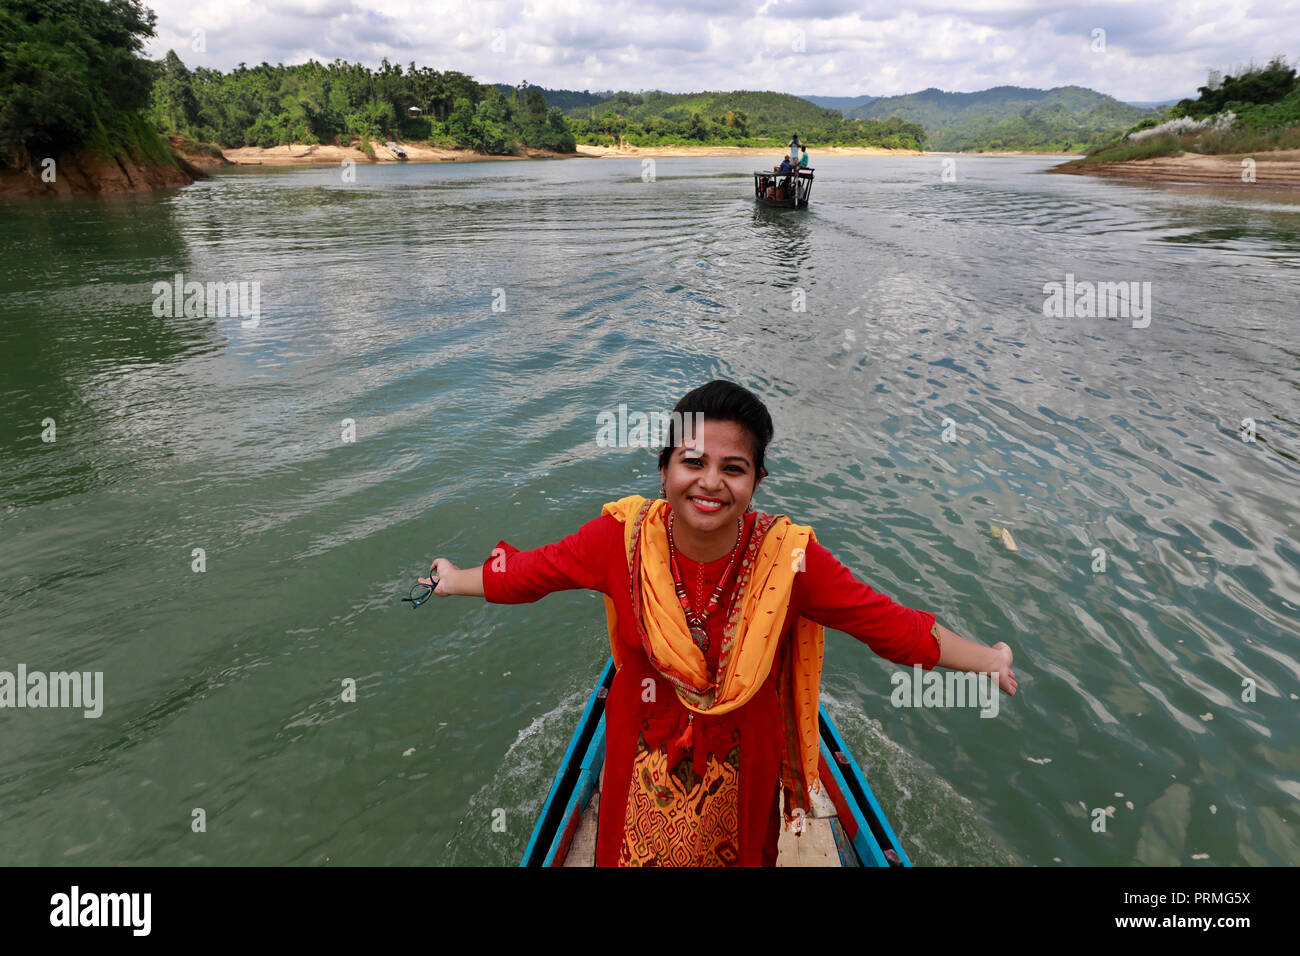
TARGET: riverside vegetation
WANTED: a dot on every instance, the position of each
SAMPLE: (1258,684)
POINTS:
(73,88)
(1258,110)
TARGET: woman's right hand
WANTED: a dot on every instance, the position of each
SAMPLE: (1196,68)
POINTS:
(443,570)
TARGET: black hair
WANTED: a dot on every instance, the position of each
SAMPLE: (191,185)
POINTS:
(723,401)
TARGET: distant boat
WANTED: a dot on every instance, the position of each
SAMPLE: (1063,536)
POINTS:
(396,150)
(784,190)
(846,828)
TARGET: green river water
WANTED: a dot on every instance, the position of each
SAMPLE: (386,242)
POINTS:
(1163,687)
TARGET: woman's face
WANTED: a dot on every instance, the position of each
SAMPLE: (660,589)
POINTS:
(710,483)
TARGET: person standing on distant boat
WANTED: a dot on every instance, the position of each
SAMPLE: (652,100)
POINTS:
(803,164)
(715,615)
(794,149)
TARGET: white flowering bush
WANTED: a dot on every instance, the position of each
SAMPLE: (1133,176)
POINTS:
(1223,121)
(1185,124)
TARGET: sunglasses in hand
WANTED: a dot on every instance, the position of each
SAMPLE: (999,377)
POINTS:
(421,591)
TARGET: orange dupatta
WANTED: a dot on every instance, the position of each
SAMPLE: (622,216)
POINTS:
(750,639)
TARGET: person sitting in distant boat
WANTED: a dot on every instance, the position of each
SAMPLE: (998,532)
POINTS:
(785,185)
(778,184)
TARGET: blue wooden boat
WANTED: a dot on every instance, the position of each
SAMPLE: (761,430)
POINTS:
(847,826)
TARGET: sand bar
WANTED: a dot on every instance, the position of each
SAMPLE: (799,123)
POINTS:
(1278,168)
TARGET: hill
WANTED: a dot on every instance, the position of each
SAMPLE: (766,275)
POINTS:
(562,99)
(1010,117)
(738,117)
(766,112)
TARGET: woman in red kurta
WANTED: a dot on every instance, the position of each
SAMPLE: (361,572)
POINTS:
(682,786)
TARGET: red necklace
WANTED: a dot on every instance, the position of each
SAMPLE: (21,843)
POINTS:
(697,622)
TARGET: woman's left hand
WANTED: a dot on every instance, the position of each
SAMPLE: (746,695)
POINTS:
(442,570)
(1006,676)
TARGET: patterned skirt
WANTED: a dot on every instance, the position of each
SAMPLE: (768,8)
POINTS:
(675,817)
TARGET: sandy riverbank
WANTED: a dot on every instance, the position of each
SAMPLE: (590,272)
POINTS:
(302,155)
(1002,152)
(1278,168)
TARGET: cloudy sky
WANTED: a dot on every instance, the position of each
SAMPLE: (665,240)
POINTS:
(1131,49)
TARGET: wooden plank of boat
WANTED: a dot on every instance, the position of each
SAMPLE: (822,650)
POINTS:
(847,826)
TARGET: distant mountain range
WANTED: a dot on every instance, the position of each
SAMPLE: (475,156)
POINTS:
(1009,117)
(845,104)
(841,103)
(1004,117)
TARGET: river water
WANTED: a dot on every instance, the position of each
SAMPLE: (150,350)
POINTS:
(472,321)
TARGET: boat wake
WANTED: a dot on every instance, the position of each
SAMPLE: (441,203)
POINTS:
(499,819)
(936,825)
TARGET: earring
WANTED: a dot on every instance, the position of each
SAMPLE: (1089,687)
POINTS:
(663,492)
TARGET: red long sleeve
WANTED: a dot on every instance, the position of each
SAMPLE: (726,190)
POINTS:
(580,560)
(828,593)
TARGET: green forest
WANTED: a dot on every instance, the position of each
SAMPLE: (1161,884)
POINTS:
(336,103)
(739,118)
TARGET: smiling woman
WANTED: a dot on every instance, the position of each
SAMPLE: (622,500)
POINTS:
(717,612)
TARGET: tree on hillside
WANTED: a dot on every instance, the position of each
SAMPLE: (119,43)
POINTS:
(1254,85)
(460,124)
(66,66)
(491,120)
(173,105)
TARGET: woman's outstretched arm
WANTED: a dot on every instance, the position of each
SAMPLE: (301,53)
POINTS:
(510,576)
(900,634)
